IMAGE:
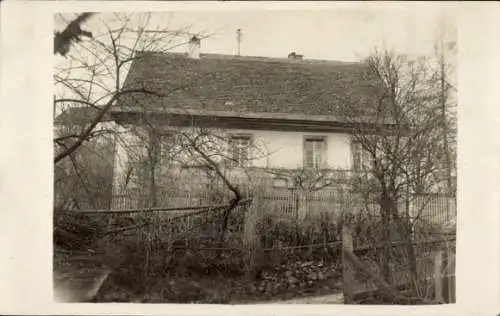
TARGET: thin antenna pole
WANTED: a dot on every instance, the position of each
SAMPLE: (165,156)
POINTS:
(238,39)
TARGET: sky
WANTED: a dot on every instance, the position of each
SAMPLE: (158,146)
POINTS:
(333,34)
(336,35)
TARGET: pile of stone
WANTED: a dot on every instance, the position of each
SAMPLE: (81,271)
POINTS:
(300,277)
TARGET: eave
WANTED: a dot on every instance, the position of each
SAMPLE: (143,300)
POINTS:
(248,121)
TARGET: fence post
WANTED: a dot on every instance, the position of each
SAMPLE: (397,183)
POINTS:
(302,207)
(251,242)
(438,278)
(450,272)
(347,271)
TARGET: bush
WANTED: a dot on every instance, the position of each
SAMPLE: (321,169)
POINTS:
(73,231)
(283,241)
(275,232)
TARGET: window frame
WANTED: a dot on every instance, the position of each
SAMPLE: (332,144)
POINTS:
(324,150)
(239,163)
(365,159)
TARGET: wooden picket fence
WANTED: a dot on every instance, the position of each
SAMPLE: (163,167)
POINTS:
(301,204)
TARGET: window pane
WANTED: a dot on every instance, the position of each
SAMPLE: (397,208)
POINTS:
(313,152)
(240,148)
(362,159)
(357,156)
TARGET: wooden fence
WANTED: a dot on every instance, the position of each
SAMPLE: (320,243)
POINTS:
(284,203)
(296,204)
(300,204)
(433,253)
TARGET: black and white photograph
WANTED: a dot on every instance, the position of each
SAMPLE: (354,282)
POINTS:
(255,157)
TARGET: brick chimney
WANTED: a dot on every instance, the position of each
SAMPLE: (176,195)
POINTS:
(194,47)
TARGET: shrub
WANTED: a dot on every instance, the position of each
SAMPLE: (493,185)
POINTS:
(284,241)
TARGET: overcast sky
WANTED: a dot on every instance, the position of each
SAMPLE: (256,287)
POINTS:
(338,35)
(346,35)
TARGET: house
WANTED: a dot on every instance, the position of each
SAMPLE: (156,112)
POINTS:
(283,124)
(73,121)
(291,108)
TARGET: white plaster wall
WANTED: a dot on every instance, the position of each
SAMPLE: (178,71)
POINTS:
(123,140)
(274,150)
(285,149)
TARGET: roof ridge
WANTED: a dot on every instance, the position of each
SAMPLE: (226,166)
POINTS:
(258,58)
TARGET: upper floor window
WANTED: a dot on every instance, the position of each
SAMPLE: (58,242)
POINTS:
(314,152)
(361,158)
(240,150)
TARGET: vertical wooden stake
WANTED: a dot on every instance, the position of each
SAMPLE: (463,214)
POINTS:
(302,208)
(438,278)
(250,236)
(450,272)
(347,271)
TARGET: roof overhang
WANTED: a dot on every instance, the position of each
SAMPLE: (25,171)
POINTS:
(249,121)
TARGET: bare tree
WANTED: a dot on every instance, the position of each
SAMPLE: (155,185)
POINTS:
(445,51)
(401,159)
(91,78)
(84,179)
(93,73)
(165,149)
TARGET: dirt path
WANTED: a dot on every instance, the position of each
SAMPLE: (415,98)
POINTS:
(78,286)
(323,299)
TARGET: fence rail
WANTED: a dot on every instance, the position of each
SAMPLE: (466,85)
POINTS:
(293,203)
(159,209)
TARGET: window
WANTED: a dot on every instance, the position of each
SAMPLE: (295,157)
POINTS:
(165,145)
(357,156)
(314,152)
(361,158)
(240,148)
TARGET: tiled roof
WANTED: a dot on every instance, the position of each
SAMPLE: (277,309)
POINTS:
(78,116)
(249,84)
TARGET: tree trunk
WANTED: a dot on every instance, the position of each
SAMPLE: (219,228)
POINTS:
(443,101)
(152,186)
(385,212)
(153,161)
(225,220)
(253,216)
(410,251)
(404,226)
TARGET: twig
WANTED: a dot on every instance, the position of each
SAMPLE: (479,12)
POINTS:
(334,244)
(402,243)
